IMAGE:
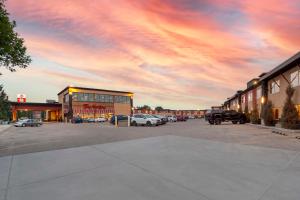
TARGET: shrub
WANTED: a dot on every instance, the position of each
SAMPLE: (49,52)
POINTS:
(267,114)
(246,111)
(289,117)
(254,117)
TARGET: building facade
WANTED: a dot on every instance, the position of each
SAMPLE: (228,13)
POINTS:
(269,86)
(94,103)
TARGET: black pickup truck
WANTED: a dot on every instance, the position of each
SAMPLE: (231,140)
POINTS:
(219,116)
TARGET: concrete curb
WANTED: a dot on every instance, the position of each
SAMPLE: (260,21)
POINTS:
(278,130)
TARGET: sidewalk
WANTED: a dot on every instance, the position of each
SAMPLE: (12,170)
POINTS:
(4,127)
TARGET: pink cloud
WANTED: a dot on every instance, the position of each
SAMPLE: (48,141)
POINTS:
(181,48)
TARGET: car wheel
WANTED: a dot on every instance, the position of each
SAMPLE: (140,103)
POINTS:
(242,121)
(148,123)
(171,120)
(134,123)
(217,121)
(23,125)
(210,122)
(234,122)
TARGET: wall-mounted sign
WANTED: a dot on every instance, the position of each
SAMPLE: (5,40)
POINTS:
(21,98)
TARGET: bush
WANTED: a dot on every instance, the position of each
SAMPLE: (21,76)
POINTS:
(246,111)
(289,117)
(254,117)
(267,114)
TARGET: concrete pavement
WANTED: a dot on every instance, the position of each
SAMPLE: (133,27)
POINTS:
(164,167)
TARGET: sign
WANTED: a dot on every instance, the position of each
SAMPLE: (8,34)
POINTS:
(21,98)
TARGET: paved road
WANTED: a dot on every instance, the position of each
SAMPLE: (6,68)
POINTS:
(59,135)
(160,168)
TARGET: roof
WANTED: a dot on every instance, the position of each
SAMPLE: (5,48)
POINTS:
(35,104)
(101,90)
(295,59)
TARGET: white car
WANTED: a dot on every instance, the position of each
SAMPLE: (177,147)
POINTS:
(172,118)
(100,119)
(142,119)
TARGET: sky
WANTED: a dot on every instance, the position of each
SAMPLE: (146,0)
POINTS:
(178,54)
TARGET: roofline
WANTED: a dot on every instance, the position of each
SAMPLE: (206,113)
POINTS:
(34,103)
(282,66)
(102,90)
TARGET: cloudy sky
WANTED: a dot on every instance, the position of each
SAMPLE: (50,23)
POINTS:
(180,54)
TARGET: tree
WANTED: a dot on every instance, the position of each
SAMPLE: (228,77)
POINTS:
(144,107)
(159,108)
(5,108)
(289,117)
(246,111)
(254,117)
(267,114)
(12,49)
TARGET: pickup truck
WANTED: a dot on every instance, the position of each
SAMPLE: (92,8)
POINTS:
(218,116)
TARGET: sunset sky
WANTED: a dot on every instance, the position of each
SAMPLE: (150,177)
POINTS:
(180,54)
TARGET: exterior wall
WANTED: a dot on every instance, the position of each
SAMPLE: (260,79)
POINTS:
(278,98)
(93,109)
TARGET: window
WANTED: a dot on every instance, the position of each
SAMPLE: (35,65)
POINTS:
(250,96)
(243,99)
(295,79)
(258,93)
(66,98)
(275,87)
(122,99)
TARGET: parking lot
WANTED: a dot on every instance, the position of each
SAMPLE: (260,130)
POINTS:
(19,140)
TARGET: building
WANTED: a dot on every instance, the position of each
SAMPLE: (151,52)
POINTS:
(269,86)
(43,111)
(275,82)
(93,103)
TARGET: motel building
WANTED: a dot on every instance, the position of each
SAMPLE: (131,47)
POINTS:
(94,103)
(269,86)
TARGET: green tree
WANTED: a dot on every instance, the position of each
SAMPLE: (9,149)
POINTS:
(267,114)
(289,117)
(12,49)
(5,108)
(159,108)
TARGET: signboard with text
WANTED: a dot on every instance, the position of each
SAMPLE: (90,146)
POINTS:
(21,98)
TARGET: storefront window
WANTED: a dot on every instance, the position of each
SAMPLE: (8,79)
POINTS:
(250,96)
(122,99)
(258,93)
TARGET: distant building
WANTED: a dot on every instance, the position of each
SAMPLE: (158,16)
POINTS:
(93,103)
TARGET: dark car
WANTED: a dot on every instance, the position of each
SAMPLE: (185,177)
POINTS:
(181,118)
(119,118)
(219,116)
(77,120)
(28,122)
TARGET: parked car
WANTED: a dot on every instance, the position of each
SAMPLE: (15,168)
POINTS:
(89,120)
(77,120)
(219,116)
(4,122)
(28,122)
(142,119)
(191,117)
(100,119)
(119,117)
(172,118)
(163,119)
(181,118)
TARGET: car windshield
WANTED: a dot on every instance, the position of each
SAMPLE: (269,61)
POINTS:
(148,116)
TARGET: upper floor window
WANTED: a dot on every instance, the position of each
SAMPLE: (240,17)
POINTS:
(295,80)
(258,93)
(250,96)
(243,99)
(122,99)
(275,86)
